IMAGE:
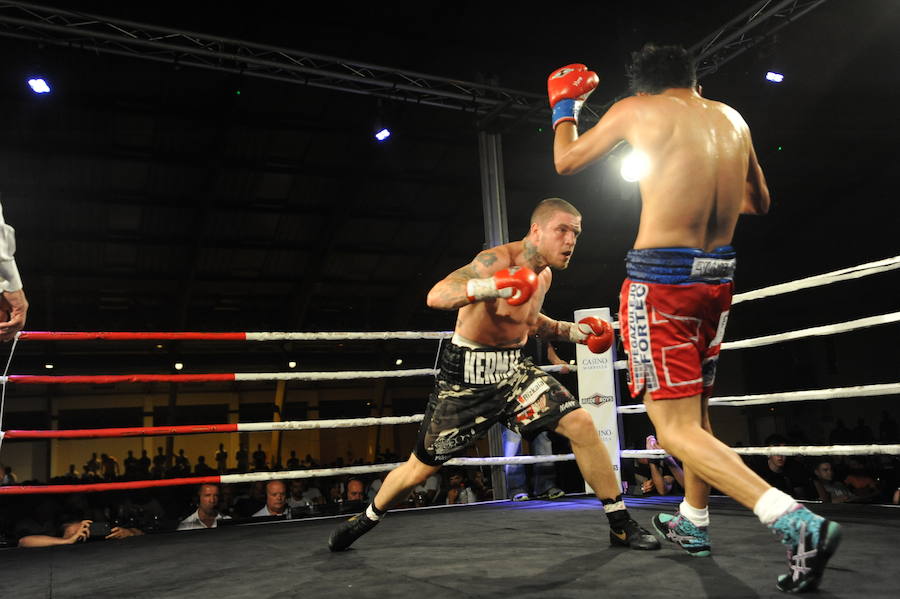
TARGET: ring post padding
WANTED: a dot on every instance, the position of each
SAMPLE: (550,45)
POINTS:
(597,390)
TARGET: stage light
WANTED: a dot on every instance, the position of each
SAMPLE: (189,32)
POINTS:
(399,361)
(635,166)
(178,365)
(774,77)
(292,364)
(48,366)
(383,134)
(39,86)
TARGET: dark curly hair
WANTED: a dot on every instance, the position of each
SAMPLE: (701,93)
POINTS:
(657,68)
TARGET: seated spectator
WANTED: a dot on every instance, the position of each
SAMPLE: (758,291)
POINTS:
(249,500)
(276,500)
(293,462)
(202,468)
(74,531)
(480,486)
(828,490)
(72,474)
(207,514)
(773,470)
(458,490)
(662,476)
(182,465)
(430,489)
(860,480)
(226,500)
(159,463)
(355,490)
(305,492)
(9,477)
(259,458)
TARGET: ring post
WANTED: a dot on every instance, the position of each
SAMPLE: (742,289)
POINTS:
(597,390)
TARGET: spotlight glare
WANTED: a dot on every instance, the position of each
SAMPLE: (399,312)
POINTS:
(383,134)
(292,364)
(774,77)
(399,361)
(178,365)
(48,366)
(39,86)
(635,166)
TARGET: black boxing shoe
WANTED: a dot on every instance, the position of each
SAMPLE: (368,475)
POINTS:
(632,535)
(348,531)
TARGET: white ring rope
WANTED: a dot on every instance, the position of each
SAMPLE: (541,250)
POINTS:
(829,329)
(300,425)
(523,460)
(854,272)
(331,376)
(350,375)
(788,396)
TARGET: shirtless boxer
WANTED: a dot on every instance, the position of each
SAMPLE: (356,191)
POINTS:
(674,304)
(484,379)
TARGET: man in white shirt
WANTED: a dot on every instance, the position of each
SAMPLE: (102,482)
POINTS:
(207,514)
(13,305)
(276,500)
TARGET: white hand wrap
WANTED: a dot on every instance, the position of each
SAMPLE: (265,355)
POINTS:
(482,289)
(578,333)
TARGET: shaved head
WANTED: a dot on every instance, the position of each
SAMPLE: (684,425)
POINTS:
(546,208)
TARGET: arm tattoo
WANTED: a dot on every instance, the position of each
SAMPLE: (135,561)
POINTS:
(487,258)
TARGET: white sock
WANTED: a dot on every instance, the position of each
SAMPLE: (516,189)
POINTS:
(371,515)
(772,505)
(698,516)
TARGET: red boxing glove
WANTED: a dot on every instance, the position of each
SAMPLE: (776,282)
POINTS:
(568,88)
(515,284)
(521,279)
(598,334)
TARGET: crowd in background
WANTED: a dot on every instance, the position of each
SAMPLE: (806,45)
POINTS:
(58,519)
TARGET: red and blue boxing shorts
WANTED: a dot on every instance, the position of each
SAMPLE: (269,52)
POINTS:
(673,309)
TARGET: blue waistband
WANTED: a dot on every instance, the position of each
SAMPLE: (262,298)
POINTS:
(676,266)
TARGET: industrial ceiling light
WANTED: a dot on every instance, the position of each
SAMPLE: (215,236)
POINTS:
(39,86)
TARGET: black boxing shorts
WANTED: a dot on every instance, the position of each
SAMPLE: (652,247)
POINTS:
(479,386)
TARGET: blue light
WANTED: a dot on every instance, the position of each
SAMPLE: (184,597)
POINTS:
(39,86)
(774,77)
(383,134)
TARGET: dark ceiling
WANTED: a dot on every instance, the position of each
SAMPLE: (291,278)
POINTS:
(152,197)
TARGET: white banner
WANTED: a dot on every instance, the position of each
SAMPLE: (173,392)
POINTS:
(597,390)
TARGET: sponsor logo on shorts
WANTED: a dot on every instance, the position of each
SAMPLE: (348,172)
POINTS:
(712,268)
(597,400)
(452,439)
(640,352)
(488,367)
(568,405)
(533,412)
(532,392)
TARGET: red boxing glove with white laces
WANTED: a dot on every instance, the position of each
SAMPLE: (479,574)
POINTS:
(594,332)
(515,284)
(568,88)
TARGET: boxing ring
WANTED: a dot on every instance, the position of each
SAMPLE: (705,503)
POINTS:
(537,548)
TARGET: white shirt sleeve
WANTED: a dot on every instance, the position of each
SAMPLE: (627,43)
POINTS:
(9,272)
